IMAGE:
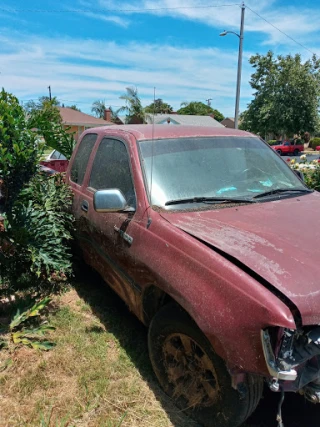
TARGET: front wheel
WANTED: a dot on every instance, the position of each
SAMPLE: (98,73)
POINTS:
(192,374)
(279,152)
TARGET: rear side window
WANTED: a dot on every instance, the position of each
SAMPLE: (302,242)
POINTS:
(80,162)
(111,169)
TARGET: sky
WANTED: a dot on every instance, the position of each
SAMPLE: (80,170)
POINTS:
(89,50)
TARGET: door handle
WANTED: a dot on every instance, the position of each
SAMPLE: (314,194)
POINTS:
(124,235)
(85,206)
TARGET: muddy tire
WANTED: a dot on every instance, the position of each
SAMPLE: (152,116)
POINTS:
(194,376)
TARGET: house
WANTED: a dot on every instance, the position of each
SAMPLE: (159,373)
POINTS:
(182,119)
(79,122)
(228,122)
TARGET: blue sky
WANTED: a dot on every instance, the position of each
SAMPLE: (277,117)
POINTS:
(172,45)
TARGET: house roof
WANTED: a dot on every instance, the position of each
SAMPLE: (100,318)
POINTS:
(188,120)
(77,118)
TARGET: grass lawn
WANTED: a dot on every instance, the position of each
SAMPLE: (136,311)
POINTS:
(99,373)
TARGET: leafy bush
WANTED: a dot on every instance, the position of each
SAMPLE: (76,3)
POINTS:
(314,142)
(37,235)
(35,222)
(310,170)
(19,151)
(272,142)
(22,330)
(47,120)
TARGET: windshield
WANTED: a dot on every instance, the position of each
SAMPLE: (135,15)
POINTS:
(222,167)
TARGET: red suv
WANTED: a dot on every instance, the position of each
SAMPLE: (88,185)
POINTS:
(197,229)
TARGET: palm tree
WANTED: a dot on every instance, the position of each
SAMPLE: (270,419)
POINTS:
(98,108)
(136,113)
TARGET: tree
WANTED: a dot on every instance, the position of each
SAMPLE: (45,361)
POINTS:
(34,219)
(286,97)
(38,105)
(74,107)
(135,112)
(48,124)
(199,109)
(98,108)
(158,107)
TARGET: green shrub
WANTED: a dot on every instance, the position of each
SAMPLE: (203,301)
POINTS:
(314,142)
(310,170)
(37,235)
(35,222)
(272,142)
(46,118)
(19,151)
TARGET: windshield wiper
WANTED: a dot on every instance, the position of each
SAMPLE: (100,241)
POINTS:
(282,190)
(208,200)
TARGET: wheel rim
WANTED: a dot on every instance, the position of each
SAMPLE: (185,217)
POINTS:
(191,375)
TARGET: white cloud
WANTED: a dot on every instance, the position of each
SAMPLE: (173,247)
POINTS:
(122,22)
(298,22)
(30,64)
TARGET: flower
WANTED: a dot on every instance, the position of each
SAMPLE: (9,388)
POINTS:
(303,157)
(288,160)
(293,161)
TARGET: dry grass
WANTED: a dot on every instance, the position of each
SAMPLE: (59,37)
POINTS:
(99,374)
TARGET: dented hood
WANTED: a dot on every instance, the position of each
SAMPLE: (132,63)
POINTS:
(279,240)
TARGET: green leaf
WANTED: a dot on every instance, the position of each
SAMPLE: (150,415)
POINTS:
(19,318)
(43,345)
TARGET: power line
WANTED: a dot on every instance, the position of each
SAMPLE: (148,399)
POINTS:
(282,32)
(72,102)
(112,10)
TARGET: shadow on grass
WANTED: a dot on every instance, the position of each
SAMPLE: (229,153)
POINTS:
(132,336)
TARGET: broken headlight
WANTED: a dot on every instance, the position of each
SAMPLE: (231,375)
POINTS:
(287,349)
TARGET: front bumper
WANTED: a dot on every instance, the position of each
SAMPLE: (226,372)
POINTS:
(275,371)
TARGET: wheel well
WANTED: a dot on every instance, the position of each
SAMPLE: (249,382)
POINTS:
(153,299)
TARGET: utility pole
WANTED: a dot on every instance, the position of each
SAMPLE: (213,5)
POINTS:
(240,36)
(50,97)
(209,102)
(236,115)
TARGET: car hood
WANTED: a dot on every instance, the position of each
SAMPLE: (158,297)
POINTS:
(279,240)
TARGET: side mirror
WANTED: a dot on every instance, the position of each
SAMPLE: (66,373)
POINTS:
(109,201)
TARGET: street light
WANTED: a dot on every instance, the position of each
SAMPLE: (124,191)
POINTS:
(224,33)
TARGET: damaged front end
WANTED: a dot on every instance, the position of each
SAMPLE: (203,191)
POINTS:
(293,360)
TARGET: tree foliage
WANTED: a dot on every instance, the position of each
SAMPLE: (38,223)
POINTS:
(34,219)
(199,109)
(158,107)
(47,122)
(98,108)
(40,103)
(286,97)
(133,107)
(74,107)
(19,151)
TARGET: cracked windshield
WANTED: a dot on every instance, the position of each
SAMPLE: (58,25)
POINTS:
(224,168)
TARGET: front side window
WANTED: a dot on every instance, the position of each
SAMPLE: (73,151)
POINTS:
(231,167)
(111,169)
(80,162)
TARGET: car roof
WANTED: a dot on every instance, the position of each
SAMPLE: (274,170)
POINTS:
(148,132)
